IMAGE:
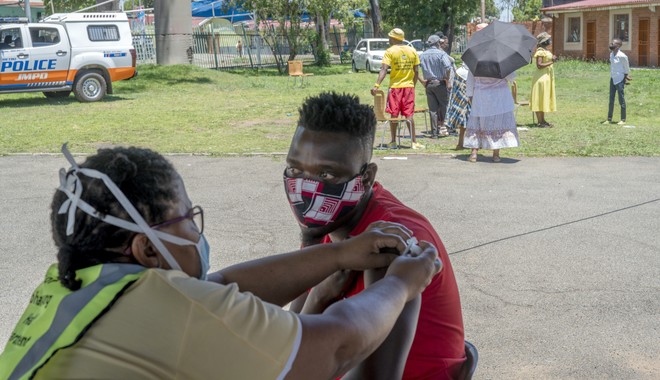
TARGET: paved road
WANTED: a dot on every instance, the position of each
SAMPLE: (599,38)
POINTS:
(558,259)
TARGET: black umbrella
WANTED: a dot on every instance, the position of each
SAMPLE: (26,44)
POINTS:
(499,49)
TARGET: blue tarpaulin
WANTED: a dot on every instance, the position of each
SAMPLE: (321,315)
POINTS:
(218,8)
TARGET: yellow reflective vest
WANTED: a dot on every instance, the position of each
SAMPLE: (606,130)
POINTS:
(58,317)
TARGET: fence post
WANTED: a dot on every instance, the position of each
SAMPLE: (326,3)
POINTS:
(215,54)
(249,43)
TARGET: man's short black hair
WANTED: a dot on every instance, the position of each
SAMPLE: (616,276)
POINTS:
(339,113)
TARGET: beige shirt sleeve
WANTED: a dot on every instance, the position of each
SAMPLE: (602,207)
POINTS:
(171,326)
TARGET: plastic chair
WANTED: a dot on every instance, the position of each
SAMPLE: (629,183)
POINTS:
(382,117)
(296,71)
(470,365)
(519,103)
(424,112)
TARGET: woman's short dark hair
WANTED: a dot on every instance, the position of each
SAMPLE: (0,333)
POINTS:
(339,113)
(147,180)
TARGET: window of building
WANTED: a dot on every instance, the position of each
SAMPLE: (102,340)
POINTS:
(620,27)
(103,33)
(573,31)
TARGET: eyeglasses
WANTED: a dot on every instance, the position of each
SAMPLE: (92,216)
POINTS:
(196,214)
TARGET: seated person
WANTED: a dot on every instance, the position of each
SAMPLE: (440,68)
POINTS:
(128,297)
(331,185)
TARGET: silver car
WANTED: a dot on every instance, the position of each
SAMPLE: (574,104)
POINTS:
(368,54)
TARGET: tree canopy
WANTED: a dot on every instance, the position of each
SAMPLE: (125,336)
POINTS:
(525,10)
(421,18)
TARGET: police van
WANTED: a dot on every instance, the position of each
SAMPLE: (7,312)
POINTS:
(79,52)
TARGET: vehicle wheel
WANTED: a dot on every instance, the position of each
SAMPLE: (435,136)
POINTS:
(368,67)
(354,67)
(57,94)
(90,86)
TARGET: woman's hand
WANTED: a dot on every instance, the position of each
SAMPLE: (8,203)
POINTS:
(364,251)
(417,271)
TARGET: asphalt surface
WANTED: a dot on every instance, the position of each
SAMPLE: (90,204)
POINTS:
(557,259)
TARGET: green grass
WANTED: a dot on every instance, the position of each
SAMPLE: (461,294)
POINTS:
(185,109)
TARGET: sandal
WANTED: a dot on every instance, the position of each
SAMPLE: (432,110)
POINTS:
(496,159)
(472,158)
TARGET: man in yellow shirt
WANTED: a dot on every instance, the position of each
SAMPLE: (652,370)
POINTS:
(404,63)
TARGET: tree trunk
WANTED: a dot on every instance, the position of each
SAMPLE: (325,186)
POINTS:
(375,18)
(323,32)
(450,32)
(173,29)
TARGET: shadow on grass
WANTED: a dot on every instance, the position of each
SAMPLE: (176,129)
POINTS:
(308,69)
(43,101)
(172,78)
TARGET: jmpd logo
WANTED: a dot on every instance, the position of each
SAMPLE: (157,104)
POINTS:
(32,76)
(40,65)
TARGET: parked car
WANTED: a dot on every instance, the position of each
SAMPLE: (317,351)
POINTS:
(368,54)
(83,53)
(418,45)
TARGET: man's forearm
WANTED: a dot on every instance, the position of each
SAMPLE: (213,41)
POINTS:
(372,314)
(389,360)
(381,74)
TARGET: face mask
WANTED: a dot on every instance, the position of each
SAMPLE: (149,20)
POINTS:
(71,185)
(317,204)
(204,252)
(612,47)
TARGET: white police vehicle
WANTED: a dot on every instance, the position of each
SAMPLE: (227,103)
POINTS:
(79,52)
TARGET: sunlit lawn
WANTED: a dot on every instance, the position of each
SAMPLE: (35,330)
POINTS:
(184,109)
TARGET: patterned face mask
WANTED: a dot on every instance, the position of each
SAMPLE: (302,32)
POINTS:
(317,204)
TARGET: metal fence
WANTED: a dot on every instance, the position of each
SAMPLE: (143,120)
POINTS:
(239,46)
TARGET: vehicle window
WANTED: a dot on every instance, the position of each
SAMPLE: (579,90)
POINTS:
(42,36)
(10,38)
(103,33)
(361,45)
(379,45)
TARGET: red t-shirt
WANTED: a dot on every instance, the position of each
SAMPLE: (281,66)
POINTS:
(438,350)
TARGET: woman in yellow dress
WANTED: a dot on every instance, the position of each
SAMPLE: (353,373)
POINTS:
(543,99)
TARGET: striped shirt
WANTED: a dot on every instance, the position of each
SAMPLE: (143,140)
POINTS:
(435,64)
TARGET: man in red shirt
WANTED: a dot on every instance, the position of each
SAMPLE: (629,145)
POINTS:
(330,184)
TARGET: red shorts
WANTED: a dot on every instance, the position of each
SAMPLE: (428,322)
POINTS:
(401,101)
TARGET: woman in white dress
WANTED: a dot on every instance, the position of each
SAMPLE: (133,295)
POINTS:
(491,124)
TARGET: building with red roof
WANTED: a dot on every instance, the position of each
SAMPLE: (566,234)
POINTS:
(584,29)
